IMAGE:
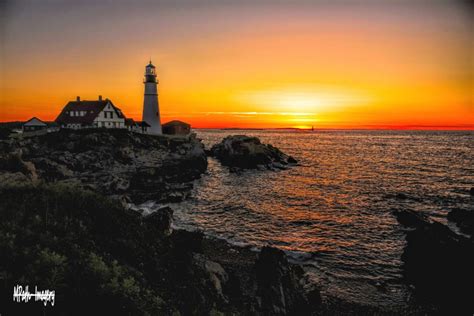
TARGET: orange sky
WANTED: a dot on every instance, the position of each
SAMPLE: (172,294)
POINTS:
(354,64)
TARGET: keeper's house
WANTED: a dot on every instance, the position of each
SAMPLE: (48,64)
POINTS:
(86,114)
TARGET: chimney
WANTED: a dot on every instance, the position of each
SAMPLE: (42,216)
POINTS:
(78,98)
(100,98)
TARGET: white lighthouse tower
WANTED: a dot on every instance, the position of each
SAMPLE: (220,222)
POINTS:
(151,109)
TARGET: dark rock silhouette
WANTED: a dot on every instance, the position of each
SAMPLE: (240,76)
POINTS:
(278,285)
(464,219)
(160,221)
(244,152)
(121,262)
(411,218)
(438,262)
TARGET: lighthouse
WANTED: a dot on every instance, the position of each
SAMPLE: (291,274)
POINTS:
(151,109)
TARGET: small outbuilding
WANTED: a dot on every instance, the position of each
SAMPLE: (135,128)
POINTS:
(130,124)
(176,128)
(137,126)
(34,124)
(143,126)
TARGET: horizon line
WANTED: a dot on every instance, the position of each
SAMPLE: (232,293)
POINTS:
(463,127)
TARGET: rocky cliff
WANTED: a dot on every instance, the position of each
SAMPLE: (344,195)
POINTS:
(104,259)
(118,163)
(438,263)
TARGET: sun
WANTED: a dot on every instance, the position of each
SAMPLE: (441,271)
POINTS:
(302,126)
(309,99)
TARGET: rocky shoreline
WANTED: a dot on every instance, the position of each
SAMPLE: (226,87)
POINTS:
(90,248)
(68,190)
(65,205)
(117,163)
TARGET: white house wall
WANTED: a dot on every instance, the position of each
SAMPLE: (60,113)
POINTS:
(109,120)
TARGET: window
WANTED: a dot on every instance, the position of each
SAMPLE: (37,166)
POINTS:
(71,113)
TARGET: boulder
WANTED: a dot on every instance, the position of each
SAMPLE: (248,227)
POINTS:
(244,152)
(438,263)
(292,160)
(464,219)
(160,221)
(278,288)
(411,218)
(214,274)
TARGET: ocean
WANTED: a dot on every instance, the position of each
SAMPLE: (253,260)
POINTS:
(332,212)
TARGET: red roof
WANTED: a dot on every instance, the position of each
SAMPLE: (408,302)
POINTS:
(92,109)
